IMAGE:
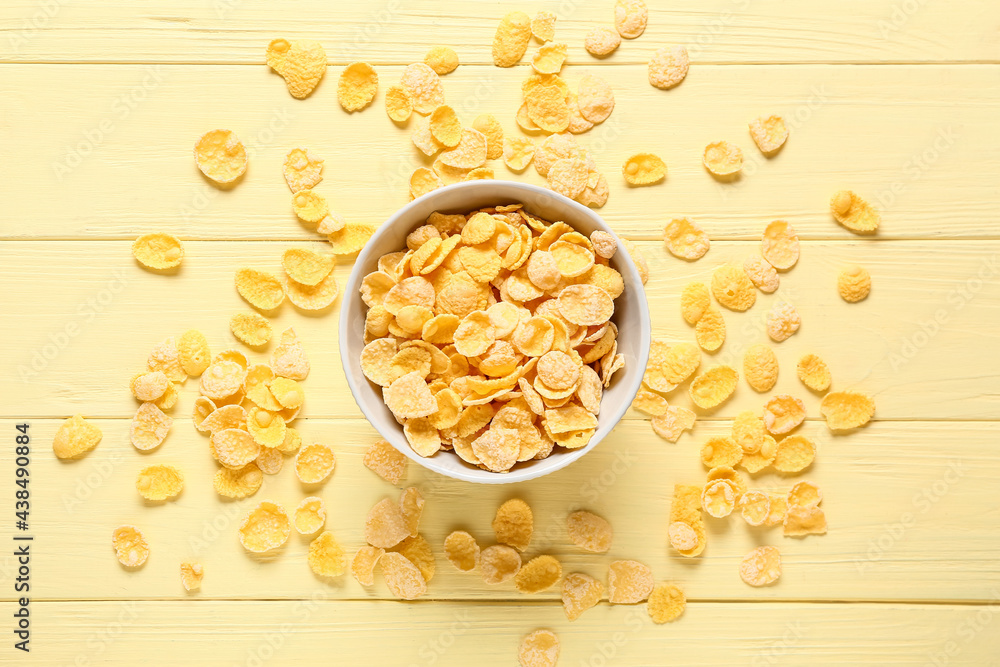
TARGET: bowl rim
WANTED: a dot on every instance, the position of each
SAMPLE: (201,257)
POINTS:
(364,258)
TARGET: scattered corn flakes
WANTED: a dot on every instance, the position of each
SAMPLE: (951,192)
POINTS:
(782,413)
(769,133)
(499,563)
(760,366)
(445,127)
(357,86)
(252,329)
(265,527)
(462,550)
(517,152)
(714,386)
(193,353)
(239,483)
(75,437)
(802,521)
(721,451)
(302,170)
(589,531)
(424,87)
(854,284)
(629,582)
(221,156)
(310,515)
(149,427)
(550,58)
(666,603)
(538,574)
(602,41)
(404,579)
(722,158)
(326,556)
(580,592)
(314,463)
(761,274)
(260,289)
(755,507)
(158,251)
(442,59)
(511,39)
(844,410)
(630,18)
(385,525)
(761,567)
(813,372)
(710,331)
(644,169)
(732,287)
(794,454)
(398,105)
(538,649)
(543,26)
(386,461)
(779,245)
(672,423)
(718,499)
(417,550)
(301,64)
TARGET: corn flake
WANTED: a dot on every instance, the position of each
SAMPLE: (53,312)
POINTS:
(289,357)
(629,582)
(580,592)
(769,133)
(363,564)
(301,64)
(260,289)
(159,482)
(854,213)
(499,563)
(666,603)
(844,410)
(148,429)
(404,579)
(714,386)
(75,437)
(761,567)
(543,26)
(721,451)
(462,550)
(265,527)
(314,463)
(644,169)
(813,372)
(668,66)
(710,331)
(589,531)
(630,18)
(441,59)
(783,413)
(517,152)
(386,461)
(722,158)
(239,483)
(326,556)
(130,546)
(350,238)
(782,321)
(252,329)
(158,251)
(779,245)
(221,156)
(602,41)
(854,284)
(538,574)
(398,105)
(673,422)
(193,353)
(761,274)
(445,126)
(302,170)
(385,525)
(802,521)
(191,576)
(695,301)
(511,39)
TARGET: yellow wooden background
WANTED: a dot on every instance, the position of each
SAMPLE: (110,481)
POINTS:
(100,104)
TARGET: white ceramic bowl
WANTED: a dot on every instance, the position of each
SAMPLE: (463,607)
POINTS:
(631,316)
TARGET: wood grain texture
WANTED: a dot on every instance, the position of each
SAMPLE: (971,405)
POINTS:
(898,498)
(401,31)
(77,347)
(116,143)
(388,633)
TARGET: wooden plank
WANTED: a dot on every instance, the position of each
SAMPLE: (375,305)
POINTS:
(917,343)
(387,633)
(906,502)
(400,31)
(114,142)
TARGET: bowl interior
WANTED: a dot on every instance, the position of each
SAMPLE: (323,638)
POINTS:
(631,316)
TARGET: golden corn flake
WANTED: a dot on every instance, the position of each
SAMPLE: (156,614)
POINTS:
(686,510)
(550,58)
(386,461)
(288,393)
(130,546)
(782,321)
(301,64)
(221,156)
(385,525)
(403,578)
(270,460)
(761,567)
(326,556)
(804,494)
(854,213)
(203,407)
(158,251)
(421,137)
(854,284)
(351,238)
(307,267)
(695,301)
(783,413)
(165,357)
(418,551)
(411,505)
(149,427)
(239,483)
(748,432)
(357,86)
(462,550)
(629,582)
(543,26)
(289,357)
(310,515)
(686,240)
(302,170)
(721,451)
(511,39)
(538,574)
(222,379)
(630,18)
(644,169)
(493,131)
(760,366)
(469,153)
(314,463)
(666,603)
(363,564)
(334,222)
(513,524)
(802,521)
(398,105)
(191,576)
(159,482)
(718,499)
(813,372)
(252,329)
(714,386)
(710,331)
(499,563)
(650,403)
(193,353)
(668,66)
(547,109)
(517,152)
(310,206)
(672,423)
(794,454)
(722,158)
(75,437)
(585,305)
(316,297)
(596,101)
(424,87)
(538,649)
(589,531)
(441,59)
(602,41)
(265,527)
(580,592)
(234,447)
(445,126)
(761,274)
(755,507)
(769,133)
(779,245)
(844,410)
(679,362)
(260,289)
(763,457)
